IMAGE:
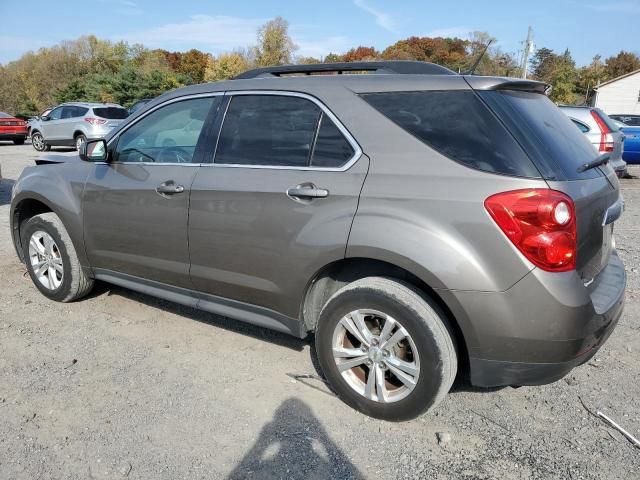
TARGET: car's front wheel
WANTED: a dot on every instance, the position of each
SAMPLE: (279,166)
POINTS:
(80,139)
(386,349)
(37,140)
(51,259)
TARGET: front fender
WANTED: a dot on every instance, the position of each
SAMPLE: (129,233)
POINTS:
(59,188)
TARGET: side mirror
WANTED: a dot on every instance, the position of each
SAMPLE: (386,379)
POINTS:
(45,118)
(94,151)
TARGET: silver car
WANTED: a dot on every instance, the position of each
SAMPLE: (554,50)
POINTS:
(602,132)
(72,124)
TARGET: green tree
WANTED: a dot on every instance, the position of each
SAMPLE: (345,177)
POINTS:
(227,65)
(621,64)
(275,46)
(559,71)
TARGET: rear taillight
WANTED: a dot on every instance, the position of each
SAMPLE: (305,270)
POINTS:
(541,223)
(606,139)
(95,121)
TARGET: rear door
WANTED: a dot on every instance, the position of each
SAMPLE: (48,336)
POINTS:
(136,207)
(278,202)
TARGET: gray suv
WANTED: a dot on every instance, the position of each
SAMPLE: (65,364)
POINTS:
(71,124)
(419,224)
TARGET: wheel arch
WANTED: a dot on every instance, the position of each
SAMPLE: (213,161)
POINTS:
(334,276)
(23,210)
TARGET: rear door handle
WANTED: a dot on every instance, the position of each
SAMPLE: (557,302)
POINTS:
(169,188)
(307,191)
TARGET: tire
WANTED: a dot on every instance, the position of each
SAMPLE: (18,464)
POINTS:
(406,308)
(66,286)
(80,139)
(19,141)
(37,141)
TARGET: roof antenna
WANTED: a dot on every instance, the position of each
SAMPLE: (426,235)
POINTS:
(472,70)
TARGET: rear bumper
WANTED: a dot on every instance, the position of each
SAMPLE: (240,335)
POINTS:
(13,136)
(541,328)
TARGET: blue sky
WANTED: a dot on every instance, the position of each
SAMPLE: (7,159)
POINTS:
(586,27)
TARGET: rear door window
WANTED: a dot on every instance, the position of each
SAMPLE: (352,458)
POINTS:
(458,125)
(549,137)
(280,131)
(111,113)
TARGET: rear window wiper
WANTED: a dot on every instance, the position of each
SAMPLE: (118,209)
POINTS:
(599,161)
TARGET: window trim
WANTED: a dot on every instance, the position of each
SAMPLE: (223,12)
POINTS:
(116,137)
(575,120)
(357,151)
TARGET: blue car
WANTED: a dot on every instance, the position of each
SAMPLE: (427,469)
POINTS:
(631,152)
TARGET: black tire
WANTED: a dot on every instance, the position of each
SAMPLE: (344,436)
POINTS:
(19,141)
(75,283)
(80,138)
(37,141)
(421,318)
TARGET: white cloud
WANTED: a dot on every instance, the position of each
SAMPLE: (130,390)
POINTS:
(320,48)
(383,19)
(449,32)
(217,33)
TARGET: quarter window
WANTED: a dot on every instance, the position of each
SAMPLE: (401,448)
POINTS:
(167,135)
(280,130)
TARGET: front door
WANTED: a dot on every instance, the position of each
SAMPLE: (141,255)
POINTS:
(51,127)
(136,206)
(277,203)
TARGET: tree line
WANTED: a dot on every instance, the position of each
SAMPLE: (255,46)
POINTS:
(90,69)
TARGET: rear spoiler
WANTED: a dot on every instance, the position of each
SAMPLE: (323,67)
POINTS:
(502,83)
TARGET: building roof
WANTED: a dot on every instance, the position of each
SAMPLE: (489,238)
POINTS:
(617,78)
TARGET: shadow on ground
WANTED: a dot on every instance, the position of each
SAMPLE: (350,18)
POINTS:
(294,445)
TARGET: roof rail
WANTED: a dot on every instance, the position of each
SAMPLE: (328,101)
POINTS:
(403,67)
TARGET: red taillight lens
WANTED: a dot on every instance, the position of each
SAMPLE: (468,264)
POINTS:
(606,140)
(541,223)
(95,121)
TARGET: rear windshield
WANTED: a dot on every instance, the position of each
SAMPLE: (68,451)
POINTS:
(112,113)
(550,138)
(459,125)
(5,115)
(608,120)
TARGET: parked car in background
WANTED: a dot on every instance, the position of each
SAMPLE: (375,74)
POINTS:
(72,124)
(12,129)
(138,105)
(601,131)
(418,223)
(33,121)
(629,120)
(631,152)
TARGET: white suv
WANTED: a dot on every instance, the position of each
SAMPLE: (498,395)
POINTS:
(71,124)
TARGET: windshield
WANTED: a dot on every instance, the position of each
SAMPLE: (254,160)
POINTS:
(550,138)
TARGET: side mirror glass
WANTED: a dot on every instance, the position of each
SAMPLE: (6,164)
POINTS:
(94,151)
(44,117)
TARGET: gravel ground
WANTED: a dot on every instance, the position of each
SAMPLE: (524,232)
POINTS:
(122,385)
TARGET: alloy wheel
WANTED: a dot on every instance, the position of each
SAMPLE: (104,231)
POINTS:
(46,260)
(375,355)
(37,141)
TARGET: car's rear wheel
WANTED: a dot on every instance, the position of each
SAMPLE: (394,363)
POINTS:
(37,140)
(80,139)
(18,141)
(51,259)
(385,349)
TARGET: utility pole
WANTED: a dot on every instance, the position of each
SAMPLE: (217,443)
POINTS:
(528,50)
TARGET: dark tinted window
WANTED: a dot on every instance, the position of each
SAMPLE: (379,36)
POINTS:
(55,113)
(167,135)
(331,149)
(458,125)
(73,111)
(268,130)
(550,138)
(112,113)
(581,126)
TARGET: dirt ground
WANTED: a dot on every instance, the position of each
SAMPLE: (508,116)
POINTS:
(122,385)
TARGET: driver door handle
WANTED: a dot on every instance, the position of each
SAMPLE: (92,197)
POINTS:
(307,191)
(169,188)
